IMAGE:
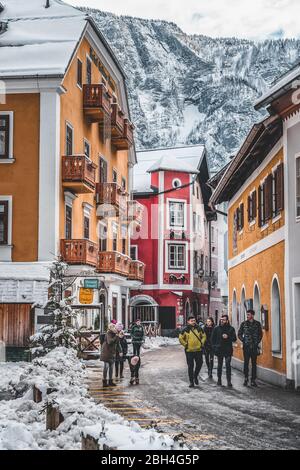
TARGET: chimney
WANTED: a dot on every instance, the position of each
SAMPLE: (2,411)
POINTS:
(47,4)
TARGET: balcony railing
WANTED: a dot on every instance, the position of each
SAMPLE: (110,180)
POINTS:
(123,141)
(79,252)
(111,194)
(117,122)
(114,263)
(135,211)
(137,271)
(96,102)
(79,173)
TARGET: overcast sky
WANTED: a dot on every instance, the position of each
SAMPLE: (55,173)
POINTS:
(255,19)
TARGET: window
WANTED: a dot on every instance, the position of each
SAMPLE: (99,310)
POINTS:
(176,211)
(124,239)
(86,227)
(3,222)
(198,193)
(176,183)
(240,217)
(115,236)
(177,256)
(133,253)
(69,222)
(88,71)
(115,176)
(87,149)
(69,139)
(4,136)
(124,184)
(252,206)
(298,187)
(79,73)
(103,237)
(103,171)
(124,310)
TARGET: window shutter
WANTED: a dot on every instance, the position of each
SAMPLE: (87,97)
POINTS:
(249,208)
(242,209)
(280,188)
(254,204)
(268,198)
(260,221)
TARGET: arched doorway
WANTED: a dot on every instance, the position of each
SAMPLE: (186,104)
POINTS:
(276,318)
(143,307)
(256,303)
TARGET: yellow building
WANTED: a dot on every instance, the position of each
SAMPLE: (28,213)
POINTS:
(66,149)
(262,187)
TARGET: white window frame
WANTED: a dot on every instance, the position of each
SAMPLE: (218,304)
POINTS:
(10,158)
(68,124)
(297,157)
(177,227)
(6,250)
(176,270)
(176,183)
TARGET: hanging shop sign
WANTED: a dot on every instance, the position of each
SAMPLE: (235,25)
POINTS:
(91,283)
(86,296)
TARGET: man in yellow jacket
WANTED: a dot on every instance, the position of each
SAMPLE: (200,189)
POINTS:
(193,339)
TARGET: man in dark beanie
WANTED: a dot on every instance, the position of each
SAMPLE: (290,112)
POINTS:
(250,334)
(193,340)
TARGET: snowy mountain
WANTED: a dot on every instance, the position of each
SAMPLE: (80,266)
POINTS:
(188,89)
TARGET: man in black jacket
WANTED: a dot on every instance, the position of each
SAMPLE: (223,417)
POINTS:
(250,334)
(222,339)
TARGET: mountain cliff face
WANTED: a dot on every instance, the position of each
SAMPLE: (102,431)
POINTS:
(188,89)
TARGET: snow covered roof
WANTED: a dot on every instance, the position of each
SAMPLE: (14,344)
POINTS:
(284,84)
(38,40)
(184,159)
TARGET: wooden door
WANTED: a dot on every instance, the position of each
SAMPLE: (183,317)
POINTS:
(16,324)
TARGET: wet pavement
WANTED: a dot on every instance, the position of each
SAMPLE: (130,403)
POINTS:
(207,417)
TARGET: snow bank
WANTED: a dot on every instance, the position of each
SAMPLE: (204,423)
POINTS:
(10,375)
(22,424)
(159,342)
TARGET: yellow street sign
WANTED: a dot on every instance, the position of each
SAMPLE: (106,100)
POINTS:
(86,296)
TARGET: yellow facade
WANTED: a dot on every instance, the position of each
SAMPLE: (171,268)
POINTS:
(72,113)
(259,269)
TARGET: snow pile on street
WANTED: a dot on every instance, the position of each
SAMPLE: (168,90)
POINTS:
(159,342)
(23,422)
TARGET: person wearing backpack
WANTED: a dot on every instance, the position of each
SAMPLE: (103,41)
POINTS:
(108,354)
(193,339)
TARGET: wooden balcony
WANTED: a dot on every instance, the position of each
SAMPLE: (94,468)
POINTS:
(137,271)
(117,122)
(135,212)
(112,262)
(96,103)
(125,140)
(79,252)
(79,174)
(111,194)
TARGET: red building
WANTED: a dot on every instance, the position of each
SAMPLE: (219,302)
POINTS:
(177,239)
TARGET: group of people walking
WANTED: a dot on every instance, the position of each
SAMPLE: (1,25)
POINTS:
(210,341)
(115,352)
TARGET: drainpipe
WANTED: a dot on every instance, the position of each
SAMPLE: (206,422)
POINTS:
(210,266)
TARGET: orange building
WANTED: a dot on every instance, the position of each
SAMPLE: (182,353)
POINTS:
(66,149)
(261,185)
